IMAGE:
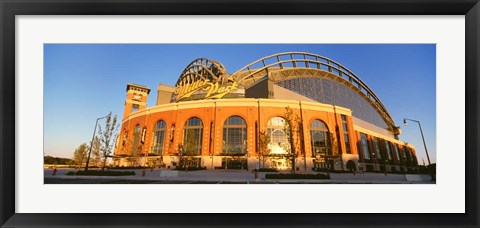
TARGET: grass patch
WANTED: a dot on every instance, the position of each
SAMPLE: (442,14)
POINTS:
(296,176)
(100,173)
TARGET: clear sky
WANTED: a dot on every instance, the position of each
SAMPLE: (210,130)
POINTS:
(86,81)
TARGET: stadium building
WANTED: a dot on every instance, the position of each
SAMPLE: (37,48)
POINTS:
(288,110)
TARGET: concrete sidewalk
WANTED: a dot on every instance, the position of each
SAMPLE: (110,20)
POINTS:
(247,177)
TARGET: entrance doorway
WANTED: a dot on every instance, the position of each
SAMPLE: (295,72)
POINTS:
(351,166)
(234,163)
(190,162)
(321,164)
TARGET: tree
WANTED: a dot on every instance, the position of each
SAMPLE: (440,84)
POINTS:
(96,151)
(263,141)
(180,155)
(80,154)
(134,147)
(107,137)
(49,160)
(332,150)
(293,130)
(190,148)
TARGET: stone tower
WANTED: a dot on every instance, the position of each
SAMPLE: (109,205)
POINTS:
(136,99)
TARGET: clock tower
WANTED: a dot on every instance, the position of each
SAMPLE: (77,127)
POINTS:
(136,98)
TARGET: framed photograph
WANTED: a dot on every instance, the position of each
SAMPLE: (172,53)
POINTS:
(239,114)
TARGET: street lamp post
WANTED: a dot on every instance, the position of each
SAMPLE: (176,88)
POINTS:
(91,143)
(421,132)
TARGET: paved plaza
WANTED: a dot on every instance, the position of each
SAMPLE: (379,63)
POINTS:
(158,176)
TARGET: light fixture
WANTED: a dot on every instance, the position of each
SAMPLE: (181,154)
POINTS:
(421,132)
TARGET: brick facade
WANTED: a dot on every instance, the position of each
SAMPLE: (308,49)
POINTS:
(256,113)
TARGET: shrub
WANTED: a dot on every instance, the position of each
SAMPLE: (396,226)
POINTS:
(101,173)
(129,167)
(342,171)
(231,167)
(267,170)
(191,168)
(322,170)
(296,176)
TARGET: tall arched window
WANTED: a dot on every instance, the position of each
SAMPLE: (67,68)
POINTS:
(389,152)
(234,136)
(192,136)
(364,145)
(277,135)
(137,128)
(395,150)
(408,155)
(319,138)
(377,154)
(403,156)
(159,137)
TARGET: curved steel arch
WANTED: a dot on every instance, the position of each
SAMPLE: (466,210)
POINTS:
(261,67)
(292,73)
(203,68)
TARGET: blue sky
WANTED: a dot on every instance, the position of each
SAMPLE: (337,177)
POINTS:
(86,81)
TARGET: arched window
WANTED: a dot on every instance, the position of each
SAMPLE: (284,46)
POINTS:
(403,156)
(192,137)
(159,137)
(234,136)
(389,152)
(377,154)
(364,145)
(408,156)
(319,138)
(397,156)
(278,137)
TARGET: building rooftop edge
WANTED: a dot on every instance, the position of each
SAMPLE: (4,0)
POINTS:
(138,86)
(166,87)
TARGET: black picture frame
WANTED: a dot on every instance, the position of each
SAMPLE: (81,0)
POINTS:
(10,8)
